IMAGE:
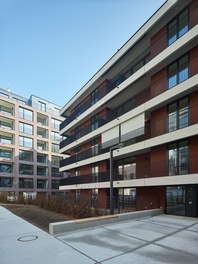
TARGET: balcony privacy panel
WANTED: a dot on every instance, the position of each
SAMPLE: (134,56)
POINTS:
(132,128)
(110,137)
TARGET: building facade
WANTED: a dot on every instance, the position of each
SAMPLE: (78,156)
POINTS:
(146,97)
(29,145)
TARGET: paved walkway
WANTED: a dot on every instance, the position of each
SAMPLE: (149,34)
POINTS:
(159,239)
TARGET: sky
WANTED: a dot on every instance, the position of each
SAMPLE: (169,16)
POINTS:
(51,48)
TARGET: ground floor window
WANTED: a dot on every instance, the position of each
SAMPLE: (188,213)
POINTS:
(127,198)
(175,200)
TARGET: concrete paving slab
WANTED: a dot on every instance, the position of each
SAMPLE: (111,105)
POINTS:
(153,254)
(184,241)
(101,243)
(145,231)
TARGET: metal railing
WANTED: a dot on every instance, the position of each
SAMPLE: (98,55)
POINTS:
(152,130)
(149,169)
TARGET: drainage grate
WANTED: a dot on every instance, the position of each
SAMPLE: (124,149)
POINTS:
(27,238)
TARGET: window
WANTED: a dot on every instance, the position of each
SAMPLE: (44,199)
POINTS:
(25,155)
(95,172)
(42,106)
(25,128)
(5,153)
(77,132)
(178,115)
(42,184)
(42,158)
(77,152)
(175,200)
(6,125)
(56,173)
(26,183)
(95,96)
(94,197)
(25,142)
(77,196)
(42,171)
(55,184)
(178,71)
(94,122)
(77,172)
(95,147)
(55,148)
(25,114)
(178,160)
(6,182)
(78,110)
(5,139)
(55,136)
(56,160)
(55,123)
(127,169)
(6,110)
(26,169)
(178,27)
(6,168)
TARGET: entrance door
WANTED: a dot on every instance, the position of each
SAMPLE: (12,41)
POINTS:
(175,200)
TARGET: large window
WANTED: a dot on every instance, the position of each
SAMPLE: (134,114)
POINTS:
(26,183)
(55,148)
(5,139)
(55,136)
(178,115)
(25,142)
(55,184)
(178,27)
(25,114)
(127,169)
(5,153)
(6,125)
(25,128)
(42,106)
(56,160)
(25,155)
(94,96)
(178,71)
(78,110)
(94,122)
(42,184)
(6,168)
(25,169)
(95,172)
(178,160)
(6,182)
(175,200)
(55,123)
(42,171)
(55,172)
(95,147)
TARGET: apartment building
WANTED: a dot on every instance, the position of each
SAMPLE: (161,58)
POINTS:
(29,145)
(144,98)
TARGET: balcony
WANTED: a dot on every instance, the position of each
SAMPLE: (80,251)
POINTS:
(144,170)
(158,128)
(139,99)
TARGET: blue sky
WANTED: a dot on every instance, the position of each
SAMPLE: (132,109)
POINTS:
(51,48)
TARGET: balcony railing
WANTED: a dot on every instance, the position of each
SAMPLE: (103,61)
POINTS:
(154,129)
(143,170)
(140,98)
